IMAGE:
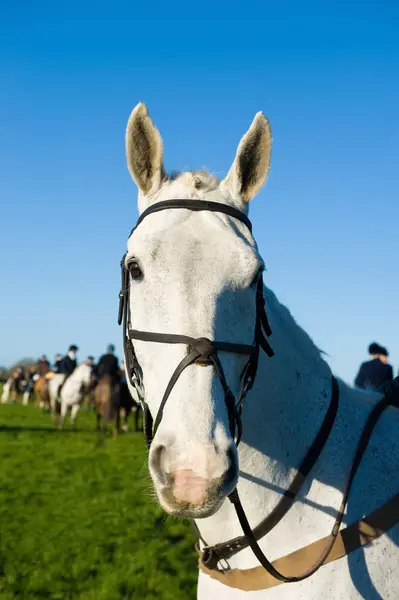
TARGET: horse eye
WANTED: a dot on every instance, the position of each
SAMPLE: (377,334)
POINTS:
(134,270)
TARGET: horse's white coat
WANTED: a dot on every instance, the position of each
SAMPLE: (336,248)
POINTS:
(198,269)
(5,395)
(72,393)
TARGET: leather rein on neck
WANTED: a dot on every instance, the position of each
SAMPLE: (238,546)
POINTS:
(205,352)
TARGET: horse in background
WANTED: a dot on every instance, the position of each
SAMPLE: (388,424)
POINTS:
(111,399)
(5,394)
(41,385)
(14,386)
(68,393)
(41,391)
(33,376)
(90,393)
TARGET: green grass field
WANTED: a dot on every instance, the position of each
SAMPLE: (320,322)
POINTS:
(78,519)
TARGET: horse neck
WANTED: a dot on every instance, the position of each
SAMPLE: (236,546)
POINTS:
(75,379)
(282,415)
(291,393)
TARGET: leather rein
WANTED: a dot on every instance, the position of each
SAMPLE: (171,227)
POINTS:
(203,351)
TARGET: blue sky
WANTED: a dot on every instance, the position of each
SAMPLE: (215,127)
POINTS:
(326,74)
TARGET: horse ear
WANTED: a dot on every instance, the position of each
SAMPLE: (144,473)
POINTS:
(249,170)
(144,151)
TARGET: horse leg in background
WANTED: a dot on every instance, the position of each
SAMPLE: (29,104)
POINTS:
(124,413)
(127,415)
(25,398)
(46,397)
(6,393)
(106,409)
(39,399)
(98,420)
(91,405)
(74,411)
(56,411)
(38,392)
(117,423)
(57,401)
(64,410)
(101,424)
(104,426)
(115,407)
(102,399)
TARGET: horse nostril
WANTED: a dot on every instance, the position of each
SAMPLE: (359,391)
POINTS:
(157,461)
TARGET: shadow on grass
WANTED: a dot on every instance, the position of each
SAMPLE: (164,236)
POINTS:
(20,429)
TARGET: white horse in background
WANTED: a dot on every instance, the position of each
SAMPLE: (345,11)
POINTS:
(72,393)
(5,394)
(194,274)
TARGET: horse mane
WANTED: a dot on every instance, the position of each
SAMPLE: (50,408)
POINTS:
(203,179)
(299,340)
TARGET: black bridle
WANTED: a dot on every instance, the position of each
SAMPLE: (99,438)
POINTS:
(204,351)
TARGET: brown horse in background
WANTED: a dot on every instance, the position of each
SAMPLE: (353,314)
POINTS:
(40,387)
(40,390)
(110,400)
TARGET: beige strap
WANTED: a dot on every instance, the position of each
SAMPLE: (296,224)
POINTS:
(349,539)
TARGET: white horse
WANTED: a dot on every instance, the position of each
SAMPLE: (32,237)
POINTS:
(195,274)
(72,393)
(5,394)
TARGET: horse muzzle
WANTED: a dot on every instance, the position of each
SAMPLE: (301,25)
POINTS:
(194,485)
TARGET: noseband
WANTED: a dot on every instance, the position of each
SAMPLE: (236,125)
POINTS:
(201,351)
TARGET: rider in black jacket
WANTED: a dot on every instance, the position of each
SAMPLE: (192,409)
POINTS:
(375,372)
(69,362)
(109,364)
(57,363)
